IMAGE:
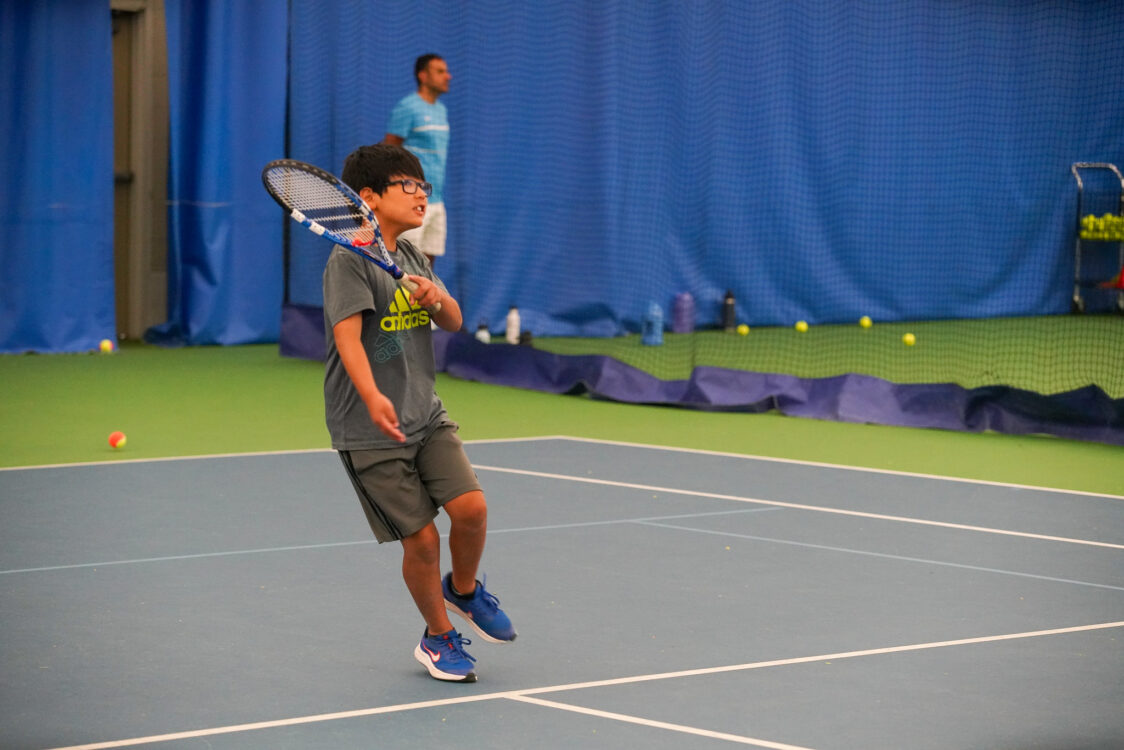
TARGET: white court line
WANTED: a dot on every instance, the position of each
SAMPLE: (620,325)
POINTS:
(195,556)
(843,467)
(165,459)
(820,657)
(245,454)
(615,521)
(657,724)
(371,542)
(610,483)
(668,448)
(517,694)
(646,521)
(883,555)
(796,506)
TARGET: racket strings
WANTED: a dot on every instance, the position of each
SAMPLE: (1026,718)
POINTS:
(320,201)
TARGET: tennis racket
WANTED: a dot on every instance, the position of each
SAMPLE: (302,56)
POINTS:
(320,201)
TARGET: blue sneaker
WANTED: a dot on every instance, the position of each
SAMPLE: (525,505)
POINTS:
(444,656)
(481,611)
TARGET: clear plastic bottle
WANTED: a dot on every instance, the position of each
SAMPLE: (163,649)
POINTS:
(512,332)
(483,335)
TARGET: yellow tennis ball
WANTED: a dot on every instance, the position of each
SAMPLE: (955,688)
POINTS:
(801,326)
(743,329)
(865,321)
(106,346)
(117,439)
(909,339)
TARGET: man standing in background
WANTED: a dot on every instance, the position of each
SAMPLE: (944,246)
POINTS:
(420,123)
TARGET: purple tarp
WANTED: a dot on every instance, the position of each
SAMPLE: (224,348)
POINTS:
(1083,414)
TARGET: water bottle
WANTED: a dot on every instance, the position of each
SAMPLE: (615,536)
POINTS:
(729,312)
(483,335)
(512,332)
(652,333)
(683,313)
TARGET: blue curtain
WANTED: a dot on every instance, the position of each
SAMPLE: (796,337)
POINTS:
(227,75)
(56,186)
(822,159)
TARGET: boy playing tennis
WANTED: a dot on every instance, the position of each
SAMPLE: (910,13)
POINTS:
(396,441)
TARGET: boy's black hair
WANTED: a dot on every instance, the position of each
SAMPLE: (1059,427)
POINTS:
(373,166)
(422,62)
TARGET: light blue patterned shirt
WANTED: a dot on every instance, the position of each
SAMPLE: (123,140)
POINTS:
(424,128)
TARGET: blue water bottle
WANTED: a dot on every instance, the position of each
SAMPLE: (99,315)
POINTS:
(652,334)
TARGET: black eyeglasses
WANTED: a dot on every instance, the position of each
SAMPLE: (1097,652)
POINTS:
(411,186)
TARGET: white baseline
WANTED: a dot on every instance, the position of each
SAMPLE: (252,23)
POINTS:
(520,695)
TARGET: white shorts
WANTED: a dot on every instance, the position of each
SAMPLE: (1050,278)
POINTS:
(430,236)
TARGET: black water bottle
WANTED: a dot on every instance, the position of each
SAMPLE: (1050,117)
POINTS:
(729,312)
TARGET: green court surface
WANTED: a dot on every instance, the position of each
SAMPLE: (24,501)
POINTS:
(1045,354)
(219,400)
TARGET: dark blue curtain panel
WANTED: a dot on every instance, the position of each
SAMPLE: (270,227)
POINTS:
(56,184)
(227,71)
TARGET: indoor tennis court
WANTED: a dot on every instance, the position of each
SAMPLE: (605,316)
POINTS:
(664,597)
(788,347)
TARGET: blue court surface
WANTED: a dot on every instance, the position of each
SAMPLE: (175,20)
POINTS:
(664,599)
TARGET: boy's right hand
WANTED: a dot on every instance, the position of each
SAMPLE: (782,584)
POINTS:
(385,418)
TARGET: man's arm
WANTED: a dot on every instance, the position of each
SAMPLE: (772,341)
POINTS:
(348,343)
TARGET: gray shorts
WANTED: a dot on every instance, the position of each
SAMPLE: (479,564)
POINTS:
(401,489)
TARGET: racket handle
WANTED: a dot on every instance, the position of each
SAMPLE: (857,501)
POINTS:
(411,287)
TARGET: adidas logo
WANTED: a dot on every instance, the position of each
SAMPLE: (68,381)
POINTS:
(403,315)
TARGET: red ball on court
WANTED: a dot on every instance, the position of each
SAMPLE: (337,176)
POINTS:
(117,439)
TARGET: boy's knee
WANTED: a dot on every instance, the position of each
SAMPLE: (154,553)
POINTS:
(424,545)
(470,509)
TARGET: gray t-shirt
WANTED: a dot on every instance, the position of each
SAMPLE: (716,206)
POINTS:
(399,345)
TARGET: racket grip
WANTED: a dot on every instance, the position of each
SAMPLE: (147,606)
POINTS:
(411,287)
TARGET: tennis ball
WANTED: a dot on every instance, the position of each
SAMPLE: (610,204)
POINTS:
(865,321)
(909,339)
(106,346)
(743,329)
(801,326)
(117,439)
